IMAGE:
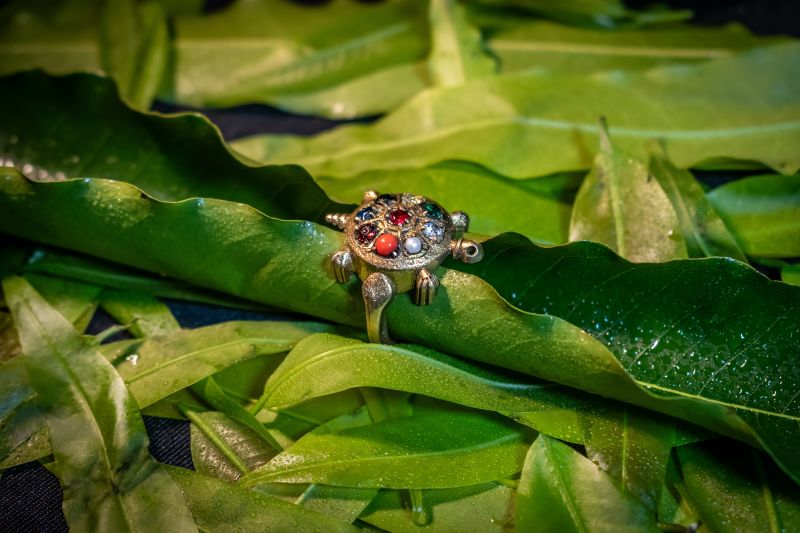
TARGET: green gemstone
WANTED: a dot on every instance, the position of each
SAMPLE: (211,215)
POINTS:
(433,210)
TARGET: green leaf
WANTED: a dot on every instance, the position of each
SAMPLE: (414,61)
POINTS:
(220,506)
(257,52)
(284,263)
(457,53)
(560,490)
(158,367)
(593,13)
(703,230)
(147,316)
(134,47)
(622,206)
(736,489)
(763,213)
(713,332)
(535,124)
(74,300)
(412,452)
(634,450)
(170,158)
(344,503)
(539,209)
(114,276)
(567,49)
(324,364)
(225,448)
(98,437)
(791,274)
(484,507)
(29,29)
(215,396)
(167,364)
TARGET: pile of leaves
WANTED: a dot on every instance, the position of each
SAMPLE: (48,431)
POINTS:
(626,357)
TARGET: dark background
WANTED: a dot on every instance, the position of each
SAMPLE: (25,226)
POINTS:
(30,497)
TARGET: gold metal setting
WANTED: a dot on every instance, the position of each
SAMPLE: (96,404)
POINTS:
(394,242)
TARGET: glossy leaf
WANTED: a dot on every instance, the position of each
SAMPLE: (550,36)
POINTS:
(457,53)
(171,158)
(539,209)
(344,503)
(634,449)
(224,448)
(791,274)
(622,206)
(736,489)
(568,49)
(98,437)
(391,453)
(763,213)
(484,507)
(324,364)
(147,316)
(468,318)
(164,365)
(215,396)
(703,230)
(220,506)
(114,276)
(560,490)
(536,124)
(678,328)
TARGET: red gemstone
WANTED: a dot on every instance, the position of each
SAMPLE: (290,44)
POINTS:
(399,217)
(366,233)
(386,244)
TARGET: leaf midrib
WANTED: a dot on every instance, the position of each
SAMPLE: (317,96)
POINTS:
(452,451)
(564,47)
(584,127)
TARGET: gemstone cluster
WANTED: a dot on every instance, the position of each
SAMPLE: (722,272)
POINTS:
(399,226)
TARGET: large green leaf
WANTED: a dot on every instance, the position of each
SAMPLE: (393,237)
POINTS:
(170,158)
(220,506)
(325,364)
(97,435)
(561,48)
(763,212)
(711,330)
(623,207)
(536,124)
(560,490)
(736,489)
(411,452)
(706,312)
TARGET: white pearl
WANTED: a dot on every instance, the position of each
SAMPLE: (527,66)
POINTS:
(413,245)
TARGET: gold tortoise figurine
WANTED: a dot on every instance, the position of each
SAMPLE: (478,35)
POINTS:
(394,242)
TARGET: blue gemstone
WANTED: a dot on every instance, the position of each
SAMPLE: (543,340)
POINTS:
(365,214)
(433,231)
